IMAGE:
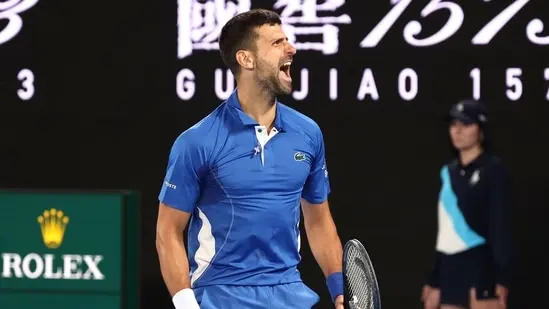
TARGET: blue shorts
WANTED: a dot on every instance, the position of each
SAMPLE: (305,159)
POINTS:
(283,296)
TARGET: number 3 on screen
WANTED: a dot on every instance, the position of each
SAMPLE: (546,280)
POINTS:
(26,77)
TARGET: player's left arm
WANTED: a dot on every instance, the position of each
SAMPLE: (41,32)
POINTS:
(319,225)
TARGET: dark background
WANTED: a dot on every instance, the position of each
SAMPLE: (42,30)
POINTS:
(105,113)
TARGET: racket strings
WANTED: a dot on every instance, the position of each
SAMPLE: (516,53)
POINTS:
(359,278)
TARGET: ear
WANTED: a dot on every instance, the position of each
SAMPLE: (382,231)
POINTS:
(245,59)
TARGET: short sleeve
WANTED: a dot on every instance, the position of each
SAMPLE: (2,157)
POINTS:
(181,185)
(317,185)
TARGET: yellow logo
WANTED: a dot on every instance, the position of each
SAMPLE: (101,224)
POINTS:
(53,223)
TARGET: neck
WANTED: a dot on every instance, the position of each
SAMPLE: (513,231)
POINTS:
(467,156)
(258,103)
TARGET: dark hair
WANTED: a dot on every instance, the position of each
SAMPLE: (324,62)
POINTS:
(239,33)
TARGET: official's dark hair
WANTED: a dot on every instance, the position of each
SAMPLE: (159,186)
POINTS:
(240,33)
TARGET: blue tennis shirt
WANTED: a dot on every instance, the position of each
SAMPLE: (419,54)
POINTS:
(243,186)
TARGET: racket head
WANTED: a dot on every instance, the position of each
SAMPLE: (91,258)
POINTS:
(361,287)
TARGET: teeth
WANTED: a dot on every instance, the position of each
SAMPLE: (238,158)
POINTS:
(287,64)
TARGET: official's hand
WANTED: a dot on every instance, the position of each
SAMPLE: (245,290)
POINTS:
(425,291)
(430,297)
(502,293)
(483,303)
(339,302)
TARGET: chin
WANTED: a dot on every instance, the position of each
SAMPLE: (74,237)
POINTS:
(285,89)
(462,147)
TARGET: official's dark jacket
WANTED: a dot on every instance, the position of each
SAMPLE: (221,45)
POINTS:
(474,239)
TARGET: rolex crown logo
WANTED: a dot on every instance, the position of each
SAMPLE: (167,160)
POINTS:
(53,223)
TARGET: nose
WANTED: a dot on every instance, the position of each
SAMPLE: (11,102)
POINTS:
(290,49)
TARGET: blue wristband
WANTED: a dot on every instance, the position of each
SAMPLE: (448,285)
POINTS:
(335,285)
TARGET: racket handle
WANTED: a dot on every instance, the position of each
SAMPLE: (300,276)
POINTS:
(353,303)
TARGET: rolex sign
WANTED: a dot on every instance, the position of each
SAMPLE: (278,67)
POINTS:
(52,244)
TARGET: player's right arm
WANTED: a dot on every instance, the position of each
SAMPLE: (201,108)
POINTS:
(172,255)
(178,198)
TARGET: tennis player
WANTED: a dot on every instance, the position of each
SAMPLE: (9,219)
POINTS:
(240,175)
(473,262)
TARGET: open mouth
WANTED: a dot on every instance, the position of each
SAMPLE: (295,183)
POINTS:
(285,69)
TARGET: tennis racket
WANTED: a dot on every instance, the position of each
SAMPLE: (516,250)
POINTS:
(361,288)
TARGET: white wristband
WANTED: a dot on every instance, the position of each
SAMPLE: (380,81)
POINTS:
(185,299)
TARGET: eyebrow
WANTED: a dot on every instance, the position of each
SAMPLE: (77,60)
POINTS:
(278,40)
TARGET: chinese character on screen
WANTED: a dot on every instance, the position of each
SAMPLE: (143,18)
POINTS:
(199,23)
(301,20)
